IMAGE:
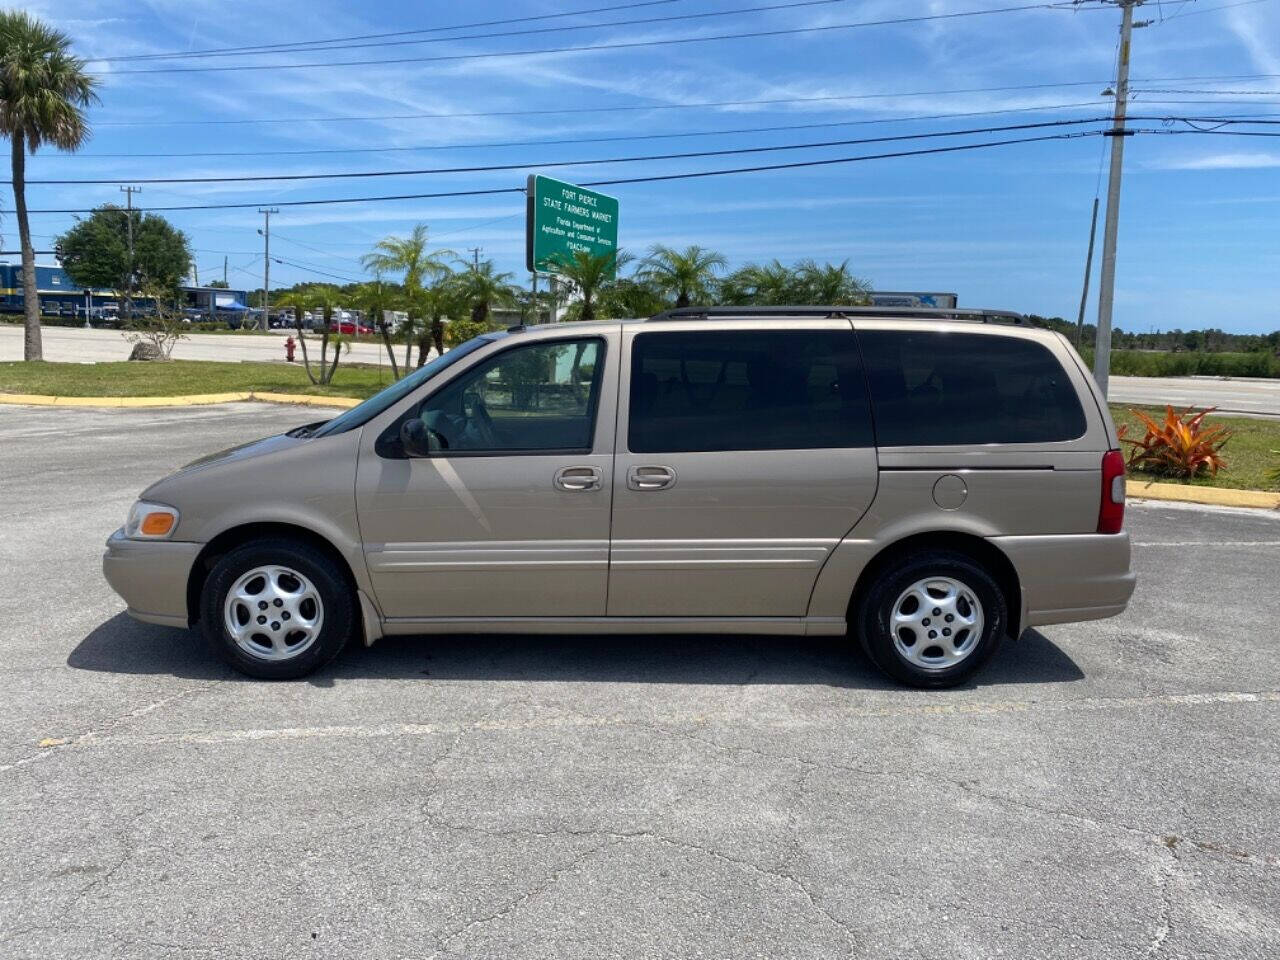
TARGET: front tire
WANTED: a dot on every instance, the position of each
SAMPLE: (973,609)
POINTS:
(277,609)
(932,619)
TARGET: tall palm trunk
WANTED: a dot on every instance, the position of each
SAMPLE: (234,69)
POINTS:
(391,354)
(31,346)
(408,341)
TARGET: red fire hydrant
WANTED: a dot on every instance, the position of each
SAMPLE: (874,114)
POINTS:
(288,349)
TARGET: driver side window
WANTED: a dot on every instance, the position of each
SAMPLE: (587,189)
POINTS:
(542,396)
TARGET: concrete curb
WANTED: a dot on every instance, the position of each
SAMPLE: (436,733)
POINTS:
(191,400)
(1213,496)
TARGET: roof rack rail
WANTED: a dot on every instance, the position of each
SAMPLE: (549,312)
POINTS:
(919,313)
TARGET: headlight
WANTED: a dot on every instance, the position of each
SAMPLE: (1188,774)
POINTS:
(151,521)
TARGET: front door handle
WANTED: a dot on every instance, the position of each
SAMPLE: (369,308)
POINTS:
(577,478)
(650,478)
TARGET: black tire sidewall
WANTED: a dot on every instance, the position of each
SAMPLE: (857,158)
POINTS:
(335,594)
(877,606)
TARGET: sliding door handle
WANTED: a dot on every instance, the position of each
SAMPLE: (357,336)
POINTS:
(651,478)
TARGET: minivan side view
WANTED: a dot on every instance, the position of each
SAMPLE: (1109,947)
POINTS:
(925,482)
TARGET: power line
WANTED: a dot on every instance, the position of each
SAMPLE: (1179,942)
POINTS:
(687,155)
(590,48)
(633,108)
(1046,108)
(311,269)
(304,45)
(525,165)
(1224,93)
(1186,10)
(337,45)
(496,191)
(793,165)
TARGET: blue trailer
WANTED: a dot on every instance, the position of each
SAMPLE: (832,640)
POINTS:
(58,295)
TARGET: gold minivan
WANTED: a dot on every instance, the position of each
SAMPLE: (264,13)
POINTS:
(926,481)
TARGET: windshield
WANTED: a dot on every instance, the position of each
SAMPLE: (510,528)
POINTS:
(360,415)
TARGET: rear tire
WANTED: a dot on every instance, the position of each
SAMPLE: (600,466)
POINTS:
(931,619)
(277,609)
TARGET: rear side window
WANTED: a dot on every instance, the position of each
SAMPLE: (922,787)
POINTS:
(747,390)
(935,389)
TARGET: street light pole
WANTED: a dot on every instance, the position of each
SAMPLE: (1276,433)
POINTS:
(1117,133)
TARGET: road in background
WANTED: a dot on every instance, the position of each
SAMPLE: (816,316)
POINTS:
(1253,397)
(70,344)
(77,345)
(1103,790)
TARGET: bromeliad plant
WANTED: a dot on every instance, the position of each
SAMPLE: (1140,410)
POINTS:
(1180,446)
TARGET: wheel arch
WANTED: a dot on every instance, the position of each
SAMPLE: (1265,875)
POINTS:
(236,536)
(978,548)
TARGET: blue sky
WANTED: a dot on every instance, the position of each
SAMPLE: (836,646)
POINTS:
(1003,227)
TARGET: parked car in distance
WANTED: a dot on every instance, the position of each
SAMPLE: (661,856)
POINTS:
(923,482)
(349,327)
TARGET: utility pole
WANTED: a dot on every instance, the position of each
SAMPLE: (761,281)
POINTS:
(475,257)
(224,264)
(128,296)
(1117,133)
(266,260)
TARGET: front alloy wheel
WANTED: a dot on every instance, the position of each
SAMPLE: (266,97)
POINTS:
(274,612)
(278,609)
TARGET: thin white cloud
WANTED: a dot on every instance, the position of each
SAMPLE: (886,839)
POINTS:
(1222,161)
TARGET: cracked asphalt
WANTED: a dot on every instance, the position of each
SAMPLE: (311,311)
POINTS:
(1103,790)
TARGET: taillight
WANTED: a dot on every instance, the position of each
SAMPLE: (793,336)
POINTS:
(1111,510)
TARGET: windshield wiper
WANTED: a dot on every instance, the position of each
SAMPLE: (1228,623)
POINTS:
(307,429)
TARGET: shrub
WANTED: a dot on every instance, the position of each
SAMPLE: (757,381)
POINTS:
(1181,446)
(1150,363)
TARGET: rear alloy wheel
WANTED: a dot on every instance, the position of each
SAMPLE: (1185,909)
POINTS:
(932,619)
(277,609)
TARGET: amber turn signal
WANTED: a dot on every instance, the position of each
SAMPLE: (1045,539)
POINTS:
(157,524)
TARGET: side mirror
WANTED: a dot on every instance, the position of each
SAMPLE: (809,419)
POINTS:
(415,438)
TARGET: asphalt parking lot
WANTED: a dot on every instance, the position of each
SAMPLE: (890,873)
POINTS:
(1104,790)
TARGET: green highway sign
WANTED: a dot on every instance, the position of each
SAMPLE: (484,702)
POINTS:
(563,219)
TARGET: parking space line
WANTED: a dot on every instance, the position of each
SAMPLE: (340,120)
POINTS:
(569,721)
(1206,543)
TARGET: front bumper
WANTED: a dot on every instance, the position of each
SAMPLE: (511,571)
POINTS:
(151,577)
(1072,577)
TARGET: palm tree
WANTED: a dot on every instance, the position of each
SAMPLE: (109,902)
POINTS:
(827,283)
(375,299)
(436,304)
(43,93)
(409,256)
(769,284)
(483,287)
(589,275)
(689,274)
(629,297)
(321,297)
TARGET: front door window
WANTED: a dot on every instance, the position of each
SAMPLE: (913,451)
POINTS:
(539,397)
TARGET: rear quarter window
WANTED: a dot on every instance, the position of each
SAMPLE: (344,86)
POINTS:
(940,389)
